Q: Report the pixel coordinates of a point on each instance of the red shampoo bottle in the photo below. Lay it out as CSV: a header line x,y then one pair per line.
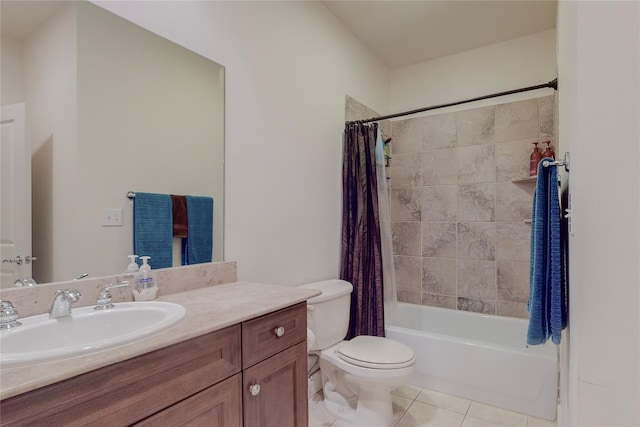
x,y
535,157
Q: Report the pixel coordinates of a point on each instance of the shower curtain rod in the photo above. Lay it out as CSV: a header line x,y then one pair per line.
x,y
552,84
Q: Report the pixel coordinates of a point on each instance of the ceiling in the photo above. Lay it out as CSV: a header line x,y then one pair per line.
x,y
398,32
402,33
20,17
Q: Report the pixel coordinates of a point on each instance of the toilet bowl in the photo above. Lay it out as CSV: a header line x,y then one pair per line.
x,y
357,375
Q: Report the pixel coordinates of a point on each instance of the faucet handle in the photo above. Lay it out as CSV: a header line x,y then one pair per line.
x,y
103,301
71,295
8,315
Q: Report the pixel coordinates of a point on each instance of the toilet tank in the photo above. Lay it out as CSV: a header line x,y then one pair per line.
x,y
328,313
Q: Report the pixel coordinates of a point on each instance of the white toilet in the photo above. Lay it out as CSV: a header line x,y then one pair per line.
x,y
357,375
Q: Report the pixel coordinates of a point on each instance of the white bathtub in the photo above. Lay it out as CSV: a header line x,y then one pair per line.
x,y
479,357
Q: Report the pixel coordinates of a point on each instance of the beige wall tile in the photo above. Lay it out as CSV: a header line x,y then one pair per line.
x,y
406,204
476,202
408,273
440,203
439,276
439,239
439,167
442,301
513,309
476,279
406,238
546,108
512,281
439,131
405,170
410,297
476,126
517,120
513,241
407,136
512,160
513,201
476,164
476,305
476,240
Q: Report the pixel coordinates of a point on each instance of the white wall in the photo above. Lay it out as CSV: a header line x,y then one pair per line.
x,y
525,61
599,45
11,90
288,68
51,100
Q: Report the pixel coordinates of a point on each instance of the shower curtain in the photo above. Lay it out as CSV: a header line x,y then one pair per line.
x,y
386,242
361,261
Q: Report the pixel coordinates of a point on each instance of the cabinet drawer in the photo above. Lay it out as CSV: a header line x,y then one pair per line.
x,y
218,406
260,338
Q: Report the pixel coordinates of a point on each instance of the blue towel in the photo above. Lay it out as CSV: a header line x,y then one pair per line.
x,y
547,286
198,246
153,228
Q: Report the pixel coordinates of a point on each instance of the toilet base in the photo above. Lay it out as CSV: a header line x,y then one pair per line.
x,y
373,408
357,395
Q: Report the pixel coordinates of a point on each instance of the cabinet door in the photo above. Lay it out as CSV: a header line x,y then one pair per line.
x,y
218,406
281,400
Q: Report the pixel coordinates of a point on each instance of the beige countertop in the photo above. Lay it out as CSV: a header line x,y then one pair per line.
x,y
208,309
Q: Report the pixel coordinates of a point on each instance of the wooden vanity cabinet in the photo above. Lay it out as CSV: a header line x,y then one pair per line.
x,y
205,381
132,390
218,405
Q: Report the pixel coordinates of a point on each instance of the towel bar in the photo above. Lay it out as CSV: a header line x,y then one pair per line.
x,y
564,162
131,194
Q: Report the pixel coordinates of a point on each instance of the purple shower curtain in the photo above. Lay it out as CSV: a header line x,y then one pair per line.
x,y
361,249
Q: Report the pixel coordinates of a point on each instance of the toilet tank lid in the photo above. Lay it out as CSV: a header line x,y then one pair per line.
x,y
333,288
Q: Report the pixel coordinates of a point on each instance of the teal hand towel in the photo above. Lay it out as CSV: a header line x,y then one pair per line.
x,y
198,246
153,228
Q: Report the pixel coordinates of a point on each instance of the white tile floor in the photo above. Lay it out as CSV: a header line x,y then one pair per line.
x,y
413,407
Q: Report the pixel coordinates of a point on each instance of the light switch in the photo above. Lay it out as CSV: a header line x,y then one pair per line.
x,y
111,217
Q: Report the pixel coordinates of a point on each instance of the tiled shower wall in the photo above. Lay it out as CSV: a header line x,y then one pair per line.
x,y
459,214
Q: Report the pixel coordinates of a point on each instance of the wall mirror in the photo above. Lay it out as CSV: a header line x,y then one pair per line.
x,y
98,107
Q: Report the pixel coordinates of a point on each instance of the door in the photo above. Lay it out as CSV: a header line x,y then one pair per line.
x,y
15,197
275,390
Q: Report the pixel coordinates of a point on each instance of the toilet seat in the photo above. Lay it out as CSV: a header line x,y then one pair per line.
x,y
376,353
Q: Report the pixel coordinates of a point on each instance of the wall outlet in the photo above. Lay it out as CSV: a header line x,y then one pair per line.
x,y
111,217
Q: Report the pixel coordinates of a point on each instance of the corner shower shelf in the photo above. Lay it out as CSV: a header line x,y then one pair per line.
x,y
525,180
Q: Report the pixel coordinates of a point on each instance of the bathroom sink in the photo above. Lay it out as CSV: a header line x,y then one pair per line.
x,y
40,339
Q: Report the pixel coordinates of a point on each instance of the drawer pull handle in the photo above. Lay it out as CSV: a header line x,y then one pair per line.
x,y
279,331
254,389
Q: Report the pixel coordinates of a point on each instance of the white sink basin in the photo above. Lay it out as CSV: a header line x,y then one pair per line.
x,y
40,339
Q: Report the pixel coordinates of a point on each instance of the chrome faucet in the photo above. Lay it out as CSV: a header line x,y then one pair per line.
x,y
61,305
8,315
103,301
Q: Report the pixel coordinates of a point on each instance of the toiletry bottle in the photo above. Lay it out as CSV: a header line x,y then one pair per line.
x,y
535,157
131,273
146,287
548,152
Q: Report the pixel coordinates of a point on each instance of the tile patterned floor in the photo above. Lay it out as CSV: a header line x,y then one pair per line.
x,y
414,407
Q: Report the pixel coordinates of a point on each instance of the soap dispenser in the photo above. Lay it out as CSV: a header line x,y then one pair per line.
x,y
548,152
534,159
131,274
146,288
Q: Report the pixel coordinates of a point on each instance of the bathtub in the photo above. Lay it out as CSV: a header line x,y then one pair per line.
x,y
479,357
